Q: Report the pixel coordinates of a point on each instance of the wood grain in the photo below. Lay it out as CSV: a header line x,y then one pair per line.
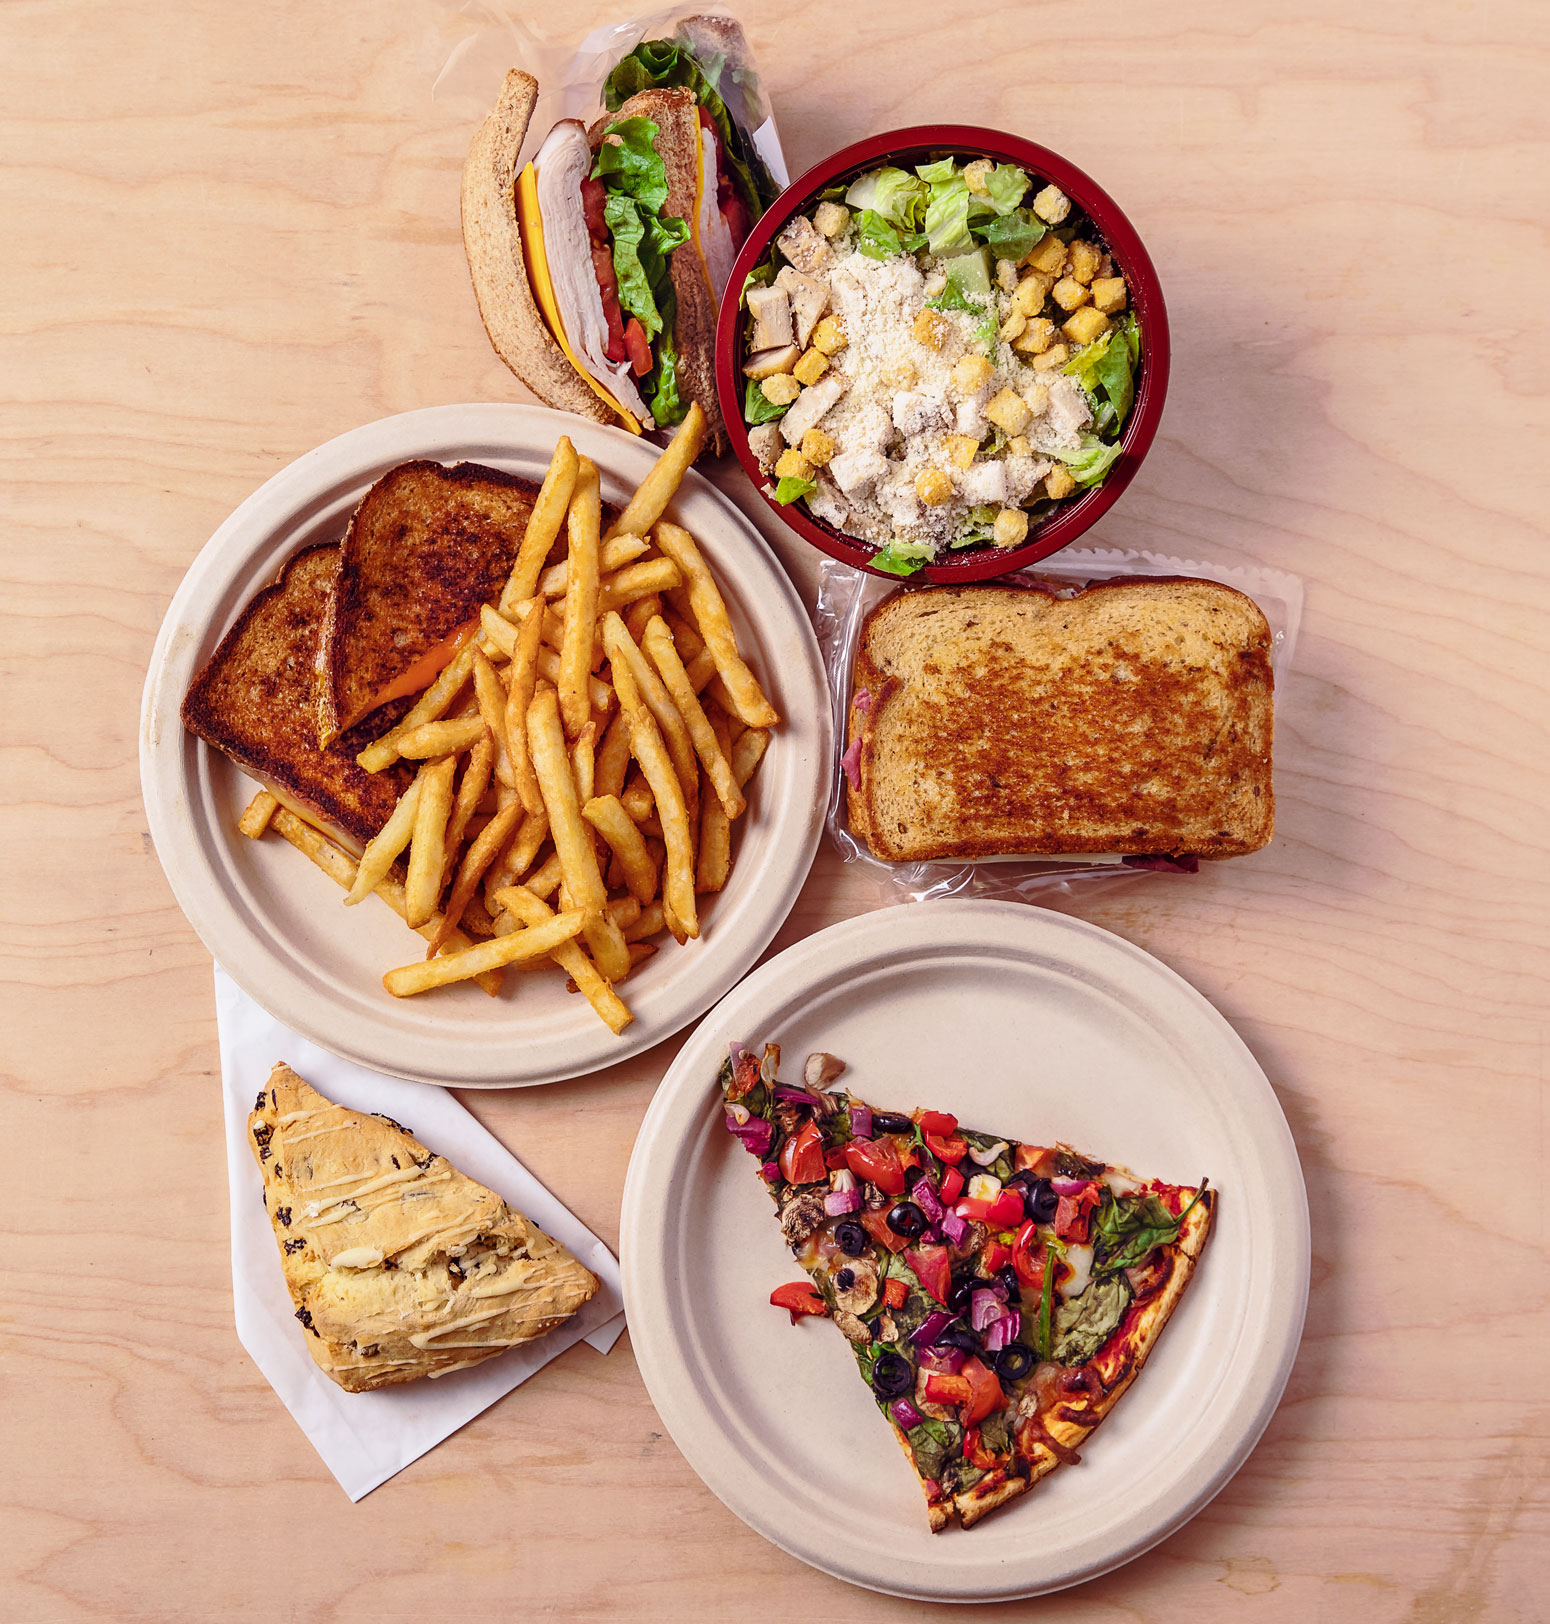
x,y
231,232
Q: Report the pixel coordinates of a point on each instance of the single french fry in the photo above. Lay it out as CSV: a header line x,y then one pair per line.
x,y
606,814
524,676
492,714
583,763
533,912
612,761
470,792
383,848
748,752
715,626
711,750
341,868
476,860
522,946
499,632
713,859
648,749
256,816
435,702
651,921
428,847
445,738
520,855
639,616
544,881
649,503
636,798
622,648
581,529
612,555
543,525
640,952
601,695
649,576
571,835
624,911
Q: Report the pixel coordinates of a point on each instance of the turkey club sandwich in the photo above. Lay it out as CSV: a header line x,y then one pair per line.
x,y
599,264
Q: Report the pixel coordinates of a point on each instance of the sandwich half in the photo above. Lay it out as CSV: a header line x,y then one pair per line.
x,y
1134,718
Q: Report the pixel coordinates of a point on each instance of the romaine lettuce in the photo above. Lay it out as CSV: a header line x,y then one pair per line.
x,y
878,240
1012,236
947,208
1105,370
632,164
757,407
1004,187
900,198
792,486
902,557
1091,462
660,387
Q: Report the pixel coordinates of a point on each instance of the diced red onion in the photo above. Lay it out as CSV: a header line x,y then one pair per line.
x,y
770,1172
985,1309
735,1052
862,700
838,1202
790,1094
944,1361
850,763
904,1413
1003,1331
755,1134
929,1202
1068,1186
932,1327
861,1121
953,1227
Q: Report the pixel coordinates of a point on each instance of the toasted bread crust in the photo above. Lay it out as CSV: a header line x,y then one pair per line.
x,y
492,241
426,547
254,702
1135,717
676,115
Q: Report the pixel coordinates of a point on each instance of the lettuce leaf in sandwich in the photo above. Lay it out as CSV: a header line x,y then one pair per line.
x,y
656,64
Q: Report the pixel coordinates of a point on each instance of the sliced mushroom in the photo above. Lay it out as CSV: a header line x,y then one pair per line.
x,y
766,363
861,1293
852,1327
821,1069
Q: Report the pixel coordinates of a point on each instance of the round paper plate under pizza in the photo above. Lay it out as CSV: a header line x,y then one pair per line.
x,y
1024,1024
279,926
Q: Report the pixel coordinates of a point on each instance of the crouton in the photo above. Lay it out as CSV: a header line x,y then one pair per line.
x,y
1055,356
1037,336
811,367
1109,294
933,487
1052,205
831,218
1086,325
971,373
1009,412
780,389
818,447
1086,259
1047,256
1058,482
1030,294
1010,528
960,449
829,335
931,329
1068,293
793,465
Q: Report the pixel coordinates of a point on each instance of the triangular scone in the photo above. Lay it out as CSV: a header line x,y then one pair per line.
x,y
399,1265
999,1296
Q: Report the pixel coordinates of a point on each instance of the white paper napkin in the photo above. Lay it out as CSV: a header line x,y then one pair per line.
x,y
364,1438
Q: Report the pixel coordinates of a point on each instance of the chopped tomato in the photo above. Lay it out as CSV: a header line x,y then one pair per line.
x,y
801,1157
1028,1158
996,1256
942,1123
1030,1256
799,1298
876,1225
944,1389
638,347
895,1293
934,1270
975,1452
985,1392
878,1162
1007,1208
947,1150
1073,1212
608,287
733,209
952,1185
594,199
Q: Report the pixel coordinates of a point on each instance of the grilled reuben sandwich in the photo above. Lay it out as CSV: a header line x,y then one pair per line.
x,y
1133,718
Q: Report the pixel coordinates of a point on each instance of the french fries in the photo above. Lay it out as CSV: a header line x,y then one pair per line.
x,y
605,723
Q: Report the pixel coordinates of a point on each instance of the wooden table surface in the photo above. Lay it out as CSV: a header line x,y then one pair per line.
x,y
228,233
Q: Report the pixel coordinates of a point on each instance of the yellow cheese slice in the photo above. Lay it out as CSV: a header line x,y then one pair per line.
x,y
530,223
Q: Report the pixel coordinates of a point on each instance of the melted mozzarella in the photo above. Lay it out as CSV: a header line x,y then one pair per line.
x,y
563,162
1079,1259
715,235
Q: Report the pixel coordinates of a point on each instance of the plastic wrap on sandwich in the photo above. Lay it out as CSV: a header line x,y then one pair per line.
x,y
845,599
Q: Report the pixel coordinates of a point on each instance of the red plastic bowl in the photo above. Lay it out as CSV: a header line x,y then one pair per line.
x,y
906,148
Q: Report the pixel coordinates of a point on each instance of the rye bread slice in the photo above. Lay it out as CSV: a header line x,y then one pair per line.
x,y
1135,717
255,702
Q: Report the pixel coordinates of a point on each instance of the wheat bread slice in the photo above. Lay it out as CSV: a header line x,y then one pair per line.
x,y
255,702
1135,717
676,115
492,240
426,547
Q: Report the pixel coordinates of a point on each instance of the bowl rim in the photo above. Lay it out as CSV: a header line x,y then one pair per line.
x,y
1066,524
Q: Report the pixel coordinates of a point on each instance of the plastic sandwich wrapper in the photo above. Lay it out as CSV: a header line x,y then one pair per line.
x,y
364,1438
490,39
846,596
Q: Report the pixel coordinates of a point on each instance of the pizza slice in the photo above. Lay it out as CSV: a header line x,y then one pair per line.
x,y
998,1297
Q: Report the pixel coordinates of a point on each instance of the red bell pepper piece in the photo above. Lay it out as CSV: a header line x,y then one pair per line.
x,y
944,1389
1007,1208
933,1268
974,1209
801,1157
895,1293
835,1159
947,1150
986,1396
975,1452
1028,1158
878,1162
996,1256
799,1298
952,1185
1030,1257
876,1225
941,1123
